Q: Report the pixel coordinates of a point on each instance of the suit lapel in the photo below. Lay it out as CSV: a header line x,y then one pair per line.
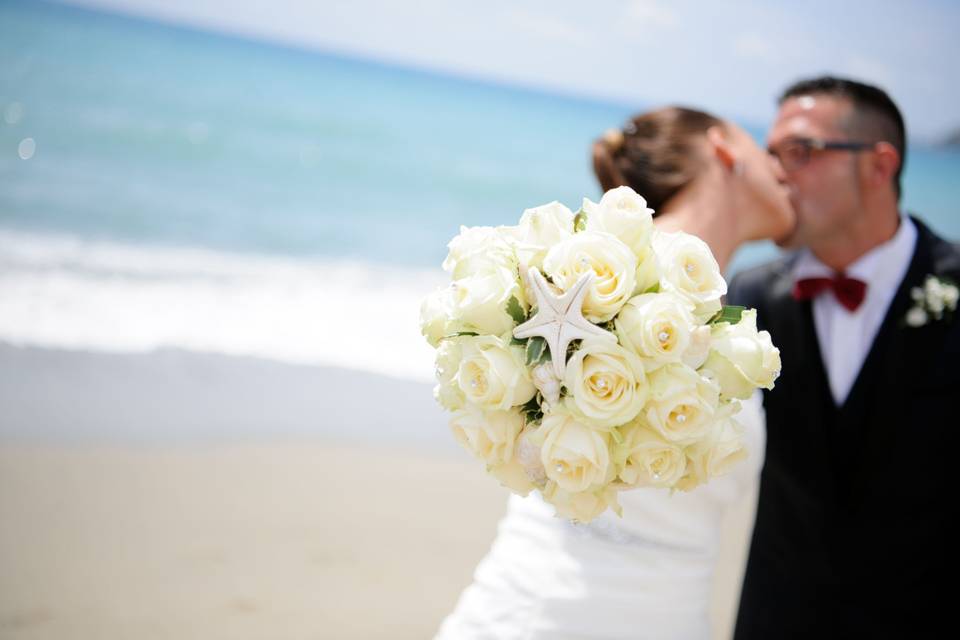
x,y
801,399
795,334
868,419
891,335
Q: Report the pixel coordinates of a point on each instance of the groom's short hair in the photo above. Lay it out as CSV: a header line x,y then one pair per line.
x,y
875,116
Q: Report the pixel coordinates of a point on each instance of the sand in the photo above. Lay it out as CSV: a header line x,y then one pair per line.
x,y
205,515
302,541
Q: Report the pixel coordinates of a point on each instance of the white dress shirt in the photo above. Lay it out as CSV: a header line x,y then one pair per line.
x,y
846,337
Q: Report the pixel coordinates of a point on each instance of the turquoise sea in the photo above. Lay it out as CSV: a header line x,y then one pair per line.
x,y
140,161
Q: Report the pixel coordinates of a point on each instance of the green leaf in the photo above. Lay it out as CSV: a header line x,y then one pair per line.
x,y
530,405
728,313
532,411
515,310
518,342
537,351
459,334
580,221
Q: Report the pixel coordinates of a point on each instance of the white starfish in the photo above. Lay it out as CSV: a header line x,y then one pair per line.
x,y
559,319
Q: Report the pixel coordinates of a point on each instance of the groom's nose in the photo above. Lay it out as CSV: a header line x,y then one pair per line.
x,y
778,170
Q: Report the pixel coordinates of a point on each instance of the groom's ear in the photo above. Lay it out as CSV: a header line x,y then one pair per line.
x,y
883,164
720,146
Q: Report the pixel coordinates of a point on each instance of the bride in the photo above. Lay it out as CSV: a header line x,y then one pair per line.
x,y
649,574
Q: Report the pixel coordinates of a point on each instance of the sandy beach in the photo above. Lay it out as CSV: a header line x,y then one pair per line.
x,y
181,495
292,541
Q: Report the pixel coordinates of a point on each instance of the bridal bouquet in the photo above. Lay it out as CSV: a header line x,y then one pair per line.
x,y
584,354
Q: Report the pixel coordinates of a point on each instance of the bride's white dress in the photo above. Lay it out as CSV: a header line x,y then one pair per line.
x,y
647,575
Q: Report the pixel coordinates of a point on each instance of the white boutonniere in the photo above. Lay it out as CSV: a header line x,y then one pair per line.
x,y
935,300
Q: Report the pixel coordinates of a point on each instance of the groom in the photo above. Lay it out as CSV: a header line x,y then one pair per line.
x,y
858,485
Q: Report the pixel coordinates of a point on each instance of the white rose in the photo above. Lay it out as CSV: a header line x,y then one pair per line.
x,y
696,354
478,250
656,326
540,228
682,403
581,506
479,302
435,312
489,435
624,214
606,384
648,270
447,392
741,358
613,263
513,476
492,373
647,459
716,454
689,268
574,456
692,478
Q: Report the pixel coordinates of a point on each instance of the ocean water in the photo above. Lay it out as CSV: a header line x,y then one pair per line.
x,y
161,186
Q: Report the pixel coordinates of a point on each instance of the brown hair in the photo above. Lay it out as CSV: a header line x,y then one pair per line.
x,y
654,154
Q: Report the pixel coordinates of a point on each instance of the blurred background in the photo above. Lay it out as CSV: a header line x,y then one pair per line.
x,y
217,220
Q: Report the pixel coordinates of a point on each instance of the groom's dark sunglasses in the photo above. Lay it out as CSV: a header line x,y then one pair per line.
x,y
795,153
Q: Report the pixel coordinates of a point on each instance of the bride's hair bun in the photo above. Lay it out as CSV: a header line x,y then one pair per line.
x,y
655,153
613,138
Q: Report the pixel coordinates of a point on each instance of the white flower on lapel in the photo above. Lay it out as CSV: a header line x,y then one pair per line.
x,y
936,299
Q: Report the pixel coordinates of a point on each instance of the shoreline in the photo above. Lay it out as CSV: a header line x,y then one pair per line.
x,y
177,396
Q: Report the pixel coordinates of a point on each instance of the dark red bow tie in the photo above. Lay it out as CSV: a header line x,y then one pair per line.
x,y
849,291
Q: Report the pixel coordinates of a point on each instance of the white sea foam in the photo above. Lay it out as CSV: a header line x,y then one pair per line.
x,y
59,291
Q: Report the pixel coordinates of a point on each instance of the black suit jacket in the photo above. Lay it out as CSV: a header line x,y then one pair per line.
x,y
851,536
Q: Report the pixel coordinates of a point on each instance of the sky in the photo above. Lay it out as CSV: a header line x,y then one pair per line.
x,y
732,57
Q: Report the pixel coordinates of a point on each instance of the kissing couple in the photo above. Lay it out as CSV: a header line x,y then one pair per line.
x,y
850,451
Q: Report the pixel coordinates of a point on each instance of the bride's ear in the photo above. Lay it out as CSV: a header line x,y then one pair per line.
x,y
720,147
